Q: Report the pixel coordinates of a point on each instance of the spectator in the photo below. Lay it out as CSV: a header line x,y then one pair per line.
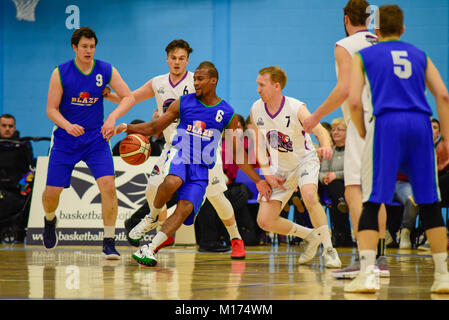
x,y
332,177
16,161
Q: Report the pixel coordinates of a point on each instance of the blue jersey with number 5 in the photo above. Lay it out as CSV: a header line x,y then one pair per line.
x,y
82,99
396,75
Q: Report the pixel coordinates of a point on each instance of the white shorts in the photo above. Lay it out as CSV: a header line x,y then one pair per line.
x,y
307,172
217,182
353,156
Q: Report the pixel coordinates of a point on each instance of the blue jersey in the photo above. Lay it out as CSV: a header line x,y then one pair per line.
x,y
82,100
396,74
199,131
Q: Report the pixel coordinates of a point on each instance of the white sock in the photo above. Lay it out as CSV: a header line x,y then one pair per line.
x,y
109,232
154,212
367,258
439,260
299,231
50,215
233,231
158,239
325,236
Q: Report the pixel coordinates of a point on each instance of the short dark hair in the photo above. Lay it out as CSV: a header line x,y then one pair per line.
x,y
83,32
436,121
211,70
391,20
181,44
8,116
356,11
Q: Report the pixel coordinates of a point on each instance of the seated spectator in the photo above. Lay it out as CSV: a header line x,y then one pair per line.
x,y
16,161
442,163
332,177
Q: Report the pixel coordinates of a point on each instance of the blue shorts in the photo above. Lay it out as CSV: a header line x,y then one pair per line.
x,y
401,142
68,150
195,178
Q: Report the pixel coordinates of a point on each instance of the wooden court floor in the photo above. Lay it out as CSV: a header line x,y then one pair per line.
x,y
269,272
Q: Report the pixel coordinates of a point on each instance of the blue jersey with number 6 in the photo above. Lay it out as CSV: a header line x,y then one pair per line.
x,y
199,130
399,85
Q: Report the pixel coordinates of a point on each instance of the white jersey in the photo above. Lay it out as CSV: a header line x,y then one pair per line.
x,y
353,44
166,92
287,142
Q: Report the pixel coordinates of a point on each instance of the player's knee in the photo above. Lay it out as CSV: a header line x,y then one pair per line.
x,y
369,220
264,222
171,184
309,198
51,194
431,215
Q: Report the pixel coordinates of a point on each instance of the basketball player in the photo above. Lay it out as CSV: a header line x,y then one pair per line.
x,y
75,105
398,73
358,37
167,88
203,116
278,122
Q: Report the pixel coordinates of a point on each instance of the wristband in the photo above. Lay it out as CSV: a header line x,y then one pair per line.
x,y
126,127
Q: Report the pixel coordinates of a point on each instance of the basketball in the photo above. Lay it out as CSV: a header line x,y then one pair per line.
x,y
135,149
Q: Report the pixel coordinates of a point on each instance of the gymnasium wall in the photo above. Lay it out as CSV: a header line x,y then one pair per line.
x,y
239,36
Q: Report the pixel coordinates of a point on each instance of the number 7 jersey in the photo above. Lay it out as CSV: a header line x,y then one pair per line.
x,y
166,92
286,140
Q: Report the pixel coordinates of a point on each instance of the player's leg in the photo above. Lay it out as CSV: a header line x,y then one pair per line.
x,y
215,194
50,201
307,175
191,194
380,163
60,166
147,255
423,178
269,219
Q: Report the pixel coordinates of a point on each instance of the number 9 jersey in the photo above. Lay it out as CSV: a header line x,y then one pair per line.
x,y
82,99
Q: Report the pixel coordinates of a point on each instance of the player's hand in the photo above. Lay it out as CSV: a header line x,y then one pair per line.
x,y
329,177
444,154
107,130
120,128
106,91
275,181
264,189
310,123
75,130
325,152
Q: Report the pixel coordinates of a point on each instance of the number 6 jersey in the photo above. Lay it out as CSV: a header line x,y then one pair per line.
x,y
166,92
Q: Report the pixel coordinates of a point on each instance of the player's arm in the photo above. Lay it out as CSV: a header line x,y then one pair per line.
x,y
320,132
262,186
338,95
262,158
55,92
145,92
355,95
127,100
154,127
436,86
